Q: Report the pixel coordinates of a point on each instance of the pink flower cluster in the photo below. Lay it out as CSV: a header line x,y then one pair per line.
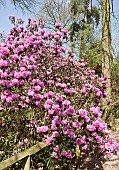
x,y
38,74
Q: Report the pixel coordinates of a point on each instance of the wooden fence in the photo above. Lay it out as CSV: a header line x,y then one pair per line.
x,y
25,155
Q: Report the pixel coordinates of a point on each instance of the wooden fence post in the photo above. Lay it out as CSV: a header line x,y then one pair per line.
x,y
27,163
23,155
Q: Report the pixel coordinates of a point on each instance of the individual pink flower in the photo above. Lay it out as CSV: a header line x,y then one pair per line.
x,y
96,111
98,94
67,154
38,103
51,111
20,144
85,147
49,141
70,111
56,148
91,128
42,129
49,101
37,88
30,92
54,155
55,134
58,25
9,99
83,91
68,91
76,124
54,127
83,112
26,140
80,141
3,97
87,119
66,102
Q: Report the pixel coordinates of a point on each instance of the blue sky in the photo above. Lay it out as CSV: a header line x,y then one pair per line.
x,y
5,12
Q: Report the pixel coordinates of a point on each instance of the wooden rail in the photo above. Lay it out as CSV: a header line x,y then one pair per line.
x,y
23,155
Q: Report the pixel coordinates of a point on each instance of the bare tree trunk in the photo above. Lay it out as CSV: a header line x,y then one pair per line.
x,y
106,50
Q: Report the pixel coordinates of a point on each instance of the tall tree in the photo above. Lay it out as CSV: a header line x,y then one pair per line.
x,y
78,16
106,49
82,27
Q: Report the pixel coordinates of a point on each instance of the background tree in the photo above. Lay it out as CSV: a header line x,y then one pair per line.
x,y
54,11
82,29
23,4
79,17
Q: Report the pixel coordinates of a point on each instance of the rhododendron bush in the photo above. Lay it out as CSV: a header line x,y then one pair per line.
x,y
46,95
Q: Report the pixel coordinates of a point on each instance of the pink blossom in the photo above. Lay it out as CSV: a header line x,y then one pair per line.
x,y
20,144
54,127
55,134
68,91
49,101
83,91
67,154
57,24
9,99
82,64
3,97
81,141
70,111
87,119
50,111
49,141
85,147
54,155
15,82
96,111
83,112
66,102
71,134
37,88
26,140
110,100
76,124
64,31
42,129
56,148
30,92
38,96
50,81
48,95
91,127
37,103
98,93
64,122
59,98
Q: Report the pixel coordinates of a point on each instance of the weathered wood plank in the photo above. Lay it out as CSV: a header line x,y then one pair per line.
x,y
27,163
10,161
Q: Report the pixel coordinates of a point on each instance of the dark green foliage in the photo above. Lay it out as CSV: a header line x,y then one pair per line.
x,y
115,88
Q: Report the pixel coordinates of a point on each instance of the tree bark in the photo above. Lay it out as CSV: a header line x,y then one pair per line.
x,y
106,50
